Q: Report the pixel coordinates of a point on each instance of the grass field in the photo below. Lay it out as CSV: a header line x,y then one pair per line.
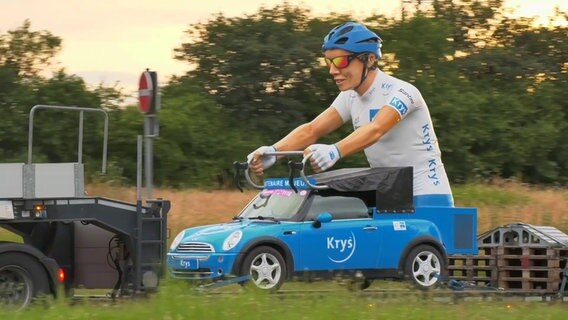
x,y
178,301
498,203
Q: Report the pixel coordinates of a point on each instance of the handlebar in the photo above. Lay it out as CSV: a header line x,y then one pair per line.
x,y
292,165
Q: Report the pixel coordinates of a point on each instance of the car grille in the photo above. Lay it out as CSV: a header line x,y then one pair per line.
x,y
199,247
202,273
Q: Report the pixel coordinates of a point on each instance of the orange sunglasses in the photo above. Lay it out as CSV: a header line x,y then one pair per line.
x,y
340,62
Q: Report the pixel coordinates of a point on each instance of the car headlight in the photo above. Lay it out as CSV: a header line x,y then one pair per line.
x,y
232,240
177,240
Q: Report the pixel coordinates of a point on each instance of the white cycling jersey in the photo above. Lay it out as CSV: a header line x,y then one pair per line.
x,y
411,142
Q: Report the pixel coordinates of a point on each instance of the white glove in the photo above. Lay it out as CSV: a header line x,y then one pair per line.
x,y
324,155
267,161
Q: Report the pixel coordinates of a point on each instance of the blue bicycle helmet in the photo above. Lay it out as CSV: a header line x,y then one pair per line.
x,y
353,37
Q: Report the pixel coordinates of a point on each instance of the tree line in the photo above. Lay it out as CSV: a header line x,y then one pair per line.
x,y
495,86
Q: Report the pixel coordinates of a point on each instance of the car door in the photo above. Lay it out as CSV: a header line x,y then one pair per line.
x,y
349,241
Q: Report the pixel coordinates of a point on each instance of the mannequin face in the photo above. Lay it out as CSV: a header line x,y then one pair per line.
x,y
345,68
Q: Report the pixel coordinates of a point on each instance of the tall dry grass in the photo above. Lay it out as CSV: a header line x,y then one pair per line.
x,y
189,207
543,206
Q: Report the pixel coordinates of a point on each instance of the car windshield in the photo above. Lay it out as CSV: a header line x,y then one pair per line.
x,y
274,204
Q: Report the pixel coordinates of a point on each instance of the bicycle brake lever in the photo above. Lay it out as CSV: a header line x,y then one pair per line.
x,y
292,166
237,178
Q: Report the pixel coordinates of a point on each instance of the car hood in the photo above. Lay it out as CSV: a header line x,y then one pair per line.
x,y
217,233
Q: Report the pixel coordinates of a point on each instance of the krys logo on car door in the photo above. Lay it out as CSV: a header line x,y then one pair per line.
x,y
341,248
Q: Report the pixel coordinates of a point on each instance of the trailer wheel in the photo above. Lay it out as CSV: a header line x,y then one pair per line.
x,y
425,266
266,267
22,278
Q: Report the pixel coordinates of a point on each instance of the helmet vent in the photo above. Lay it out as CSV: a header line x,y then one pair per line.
x,y
370,40
341,40
345,30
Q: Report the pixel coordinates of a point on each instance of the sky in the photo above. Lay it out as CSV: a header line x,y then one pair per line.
x,y
112,42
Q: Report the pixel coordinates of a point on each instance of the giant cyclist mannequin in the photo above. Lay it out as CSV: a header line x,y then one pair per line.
x,y
391,121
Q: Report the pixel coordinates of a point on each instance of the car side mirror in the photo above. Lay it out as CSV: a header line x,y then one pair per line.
x,y
323,217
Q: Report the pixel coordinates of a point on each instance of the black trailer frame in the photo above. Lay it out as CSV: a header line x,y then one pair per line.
x,y
51,227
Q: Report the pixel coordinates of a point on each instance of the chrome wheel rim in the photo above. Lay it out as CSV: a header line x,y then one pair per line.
x,y
426,268
265,271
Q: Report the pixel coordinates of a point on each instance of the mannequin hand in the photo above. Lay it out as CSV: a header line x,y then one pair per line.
x,y
258,162
324,156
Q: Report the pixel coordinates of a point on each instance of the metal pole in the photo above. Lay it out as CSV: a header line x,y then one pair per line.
x,y
139,168
105,144
80,146
138,240
148,167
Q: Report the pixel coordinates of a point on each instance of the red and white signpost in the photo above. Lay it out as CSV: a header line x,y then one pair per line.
x,y
145,92
149,105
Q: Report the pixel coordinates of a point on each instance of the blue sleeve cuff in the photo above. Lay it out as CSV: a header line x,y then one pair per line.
x,y
338,152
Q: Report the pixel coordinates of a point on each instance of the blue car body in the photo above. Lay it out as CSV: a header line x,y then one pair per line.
x,y
360,236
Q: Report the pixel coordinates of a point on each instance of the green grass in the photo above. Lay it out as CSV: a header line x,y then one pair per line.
x,y
6,235
475,195
179,301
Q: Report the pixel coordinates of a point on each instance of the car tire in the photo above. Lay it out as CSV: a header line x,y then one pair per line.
x,y
24,277
266,267
425,267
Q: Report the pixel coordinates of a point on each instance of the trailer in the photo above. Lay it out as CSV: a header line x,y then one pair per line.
x,y
70,240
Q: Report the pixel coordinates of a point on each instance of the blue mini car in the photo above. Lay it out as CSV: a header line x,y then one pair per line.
x,y
358,223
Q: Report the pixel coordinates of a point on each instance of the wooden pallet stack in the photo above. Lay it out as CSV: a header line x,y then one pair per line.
x,y
529,268
480,269
534,269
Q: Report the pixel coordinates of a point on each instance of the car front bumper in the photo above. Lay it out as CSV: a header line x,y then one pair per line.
x,y
212,266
